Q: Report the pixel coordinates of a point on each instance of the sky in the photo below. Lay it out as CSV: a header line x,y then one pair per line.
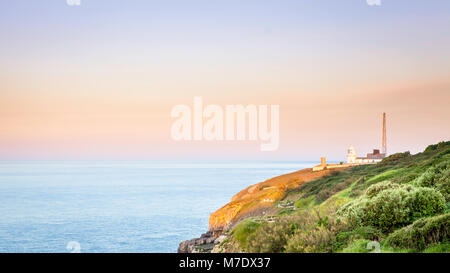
x,y
99,80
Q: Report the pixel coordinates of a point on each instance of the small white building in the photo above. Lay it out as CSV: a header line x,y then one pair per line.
x,y
371,158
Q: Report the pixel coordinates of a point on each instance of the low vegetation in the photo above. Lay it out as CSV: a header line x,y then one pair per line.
x,y
307,231
390,208
422,233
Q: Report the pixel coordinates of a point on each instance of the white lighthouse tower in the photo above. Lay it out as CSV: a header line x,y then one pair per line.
x,y
351,154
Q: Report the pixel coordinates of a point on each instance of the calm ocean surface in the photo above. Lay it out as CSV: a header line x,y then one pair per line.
x,y
117,206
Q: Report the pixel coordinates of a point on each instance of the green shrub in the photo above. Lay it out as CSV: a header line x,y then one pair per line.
x,y
317,240
437,177
271,237
437,146
315,236
305,232
444,154
343,239
422,233
392,207
394,158
376,188
427,202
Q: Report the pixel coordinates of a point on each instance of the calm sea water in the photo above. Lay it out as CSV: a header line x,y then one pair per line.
x,y
117,206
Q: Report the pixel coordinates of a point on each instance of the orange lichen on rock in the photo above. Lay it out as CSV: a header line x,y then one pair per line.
x,y
260,196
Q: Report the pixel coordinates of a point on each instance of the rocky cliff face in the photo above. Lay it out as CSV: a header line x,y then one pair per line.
x,y
206,243
253,201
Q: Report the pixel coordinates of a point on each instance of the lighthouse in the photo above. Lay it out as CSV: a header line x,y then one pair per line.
x,y
351,154
352,159
373,157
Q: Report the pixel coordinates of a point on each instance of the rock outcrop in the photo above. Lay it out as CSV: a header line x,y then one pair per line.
x,y
204,244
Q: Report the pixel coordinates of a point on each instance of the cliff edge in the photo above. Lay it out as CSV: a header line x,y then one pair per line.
x,y
252,201
256,198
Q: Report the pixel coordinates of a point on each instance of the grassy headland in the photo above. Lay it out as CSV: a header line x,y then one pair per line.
x,y
401,204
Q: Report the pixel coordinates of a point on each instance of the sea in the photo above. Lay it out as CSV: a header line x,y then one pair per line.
x,y
118,206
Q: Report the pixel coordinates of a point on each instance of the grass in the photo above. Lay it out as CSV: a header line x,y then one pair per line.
x,y
357,246
243,229
306,203
367,246
286,212
387,249
383,176
438,248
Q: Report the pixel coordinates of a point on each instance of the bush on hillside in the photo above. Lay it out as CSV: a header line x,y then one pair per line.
x,y
318,235
317,240
271,237
394,158
345,238
376,188
422,233
306,232
437,177
437,146
389,208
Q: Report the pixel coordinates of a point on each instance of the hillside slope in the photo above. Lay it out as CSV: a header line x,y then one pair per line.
x,y
256,198
398,205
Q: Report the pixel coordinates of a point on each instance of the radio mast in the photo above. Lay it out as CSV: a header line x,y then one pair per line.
x,y
384,134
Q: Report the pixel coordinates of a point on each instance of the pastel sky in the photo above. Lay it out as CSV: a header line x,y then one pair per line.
x,y
98,81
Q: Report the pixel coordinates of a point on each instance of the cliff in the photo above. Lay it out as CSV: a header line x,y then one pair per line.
x,y
256,198
252,201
